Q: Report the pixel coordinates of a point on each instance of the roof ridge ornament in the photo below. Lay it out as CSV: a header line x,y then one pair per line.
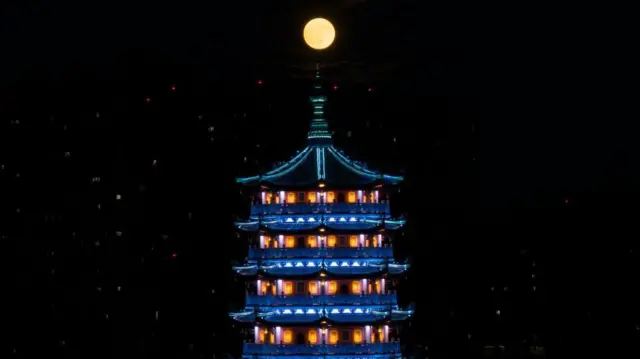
x,y
319,134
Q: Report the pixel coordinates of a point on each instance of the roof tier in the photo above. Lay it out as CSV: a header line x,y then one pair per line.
x,y
320,161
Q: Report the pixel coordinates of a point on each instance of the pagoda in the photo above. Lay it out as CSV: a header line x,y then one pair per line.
x,y
320,269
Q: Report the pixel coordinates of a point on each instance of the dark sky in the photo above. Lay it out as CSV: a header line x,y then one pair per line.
x,y
502,113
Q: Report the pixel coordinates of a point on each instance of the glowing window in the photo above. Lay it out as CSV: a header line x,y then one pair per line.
x,y
291,197
312,337
333,336
289,241
268,197
331,197
357,336
287,336
378,286
313,287
355,287
372,198
288,288
353,241
312,241
331,241
333,287
312,197
263,332
351,197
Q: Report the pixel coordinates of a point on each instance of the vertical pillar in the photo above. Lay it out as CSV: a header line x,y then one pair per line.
x,y
281,241
367,333
261,241
365,286
360,196
376,195
278,335
383,286
279,287
259,283
263,197
256,331
379,240
362,240
386,333
282,197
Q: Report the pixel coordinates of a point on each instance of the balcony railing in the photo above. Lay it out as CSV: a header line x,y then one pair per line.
x,y
321,252
309,208
325,299
320,349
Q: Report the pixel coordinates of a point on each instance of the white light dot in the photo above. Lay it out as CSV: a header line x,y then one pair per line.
x,y
118,197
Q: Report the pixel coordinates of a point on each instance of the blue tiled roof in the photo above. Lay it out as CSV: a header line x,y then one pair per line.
x,y
320,163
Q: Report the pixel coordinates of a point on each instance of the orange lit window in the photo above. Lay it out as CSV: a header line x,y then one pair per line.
x,y
291,197
333,287
357,336
312,197
353,241
263,290
289,241
331,241
372,197
263,332
287,336
331,197
351,197
373,337
378,286
288,288
333,336
268,197
313,336
313,287
355,287
312,241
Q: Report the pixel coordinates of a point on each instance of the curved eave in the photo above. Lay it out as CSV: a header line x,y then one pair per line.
x,y
317,272
316,319
321,163
366,225
359,170
278,172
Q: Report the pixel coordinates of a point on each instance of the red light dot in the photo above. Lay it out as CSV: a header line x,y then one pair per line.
x,y
174,255
566,201
335,87
370,89
259,82
173,87
148,99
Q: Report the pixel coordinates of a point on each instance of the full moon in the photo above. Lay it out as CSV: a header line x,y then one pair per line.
x,y
319,33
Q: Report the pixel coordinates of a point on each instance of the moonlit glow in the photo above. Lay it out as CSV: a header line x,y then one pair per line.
x,y
319,33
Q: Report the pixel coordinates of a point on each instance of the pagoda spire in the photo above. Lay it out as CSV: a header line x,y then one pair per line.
x,y
319,134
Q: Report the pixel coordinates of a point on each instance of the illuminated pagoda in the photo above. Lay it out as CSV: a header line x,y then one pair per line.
x,y
320,269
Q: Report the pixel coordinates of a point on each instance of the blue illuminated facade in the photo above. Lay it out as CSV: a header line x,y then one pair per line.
x,y
320,270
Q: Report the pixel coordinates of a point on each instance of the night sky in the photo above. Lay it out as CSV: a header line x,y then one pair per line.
x,y
122,127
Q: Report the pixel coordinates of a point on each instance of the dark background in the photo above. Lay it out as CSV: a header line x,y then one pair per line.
x,y
519,161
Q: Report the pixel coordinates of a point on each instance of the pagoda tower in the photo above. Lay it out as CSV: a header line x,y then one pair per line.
x,y
320,269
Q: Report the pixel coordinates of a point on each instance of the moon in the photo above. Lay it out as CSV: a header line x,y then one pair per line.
x,y
319,33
